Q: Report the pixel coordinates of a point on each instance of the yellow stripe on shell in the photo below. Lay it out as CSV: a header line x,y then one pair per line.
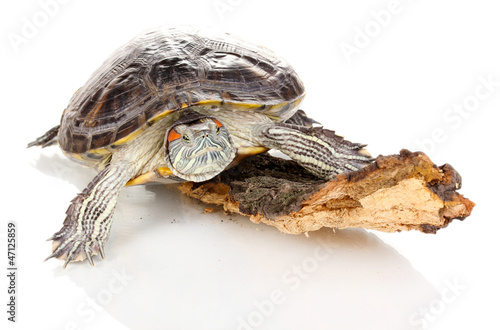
x,y
99,151
128,138
78,157
159,116
208,102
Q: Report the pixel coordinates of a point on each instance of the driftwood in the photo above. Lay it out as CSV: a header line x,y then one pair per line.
x,y
394,193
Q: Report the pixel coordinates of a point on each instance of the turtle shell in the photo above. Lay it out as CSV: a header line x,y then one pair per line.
x,y
169,69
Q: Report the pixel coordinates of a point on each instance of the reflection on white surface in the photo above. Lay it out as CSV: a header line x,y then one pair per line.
x,y
171,265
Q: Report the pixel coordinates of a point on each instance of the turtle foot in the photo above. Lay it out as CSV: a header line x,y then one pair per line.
x,y
72,248
89,217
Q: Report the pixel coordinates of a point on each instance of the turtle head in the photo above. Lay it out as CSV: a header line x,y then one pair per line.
x,y
198,150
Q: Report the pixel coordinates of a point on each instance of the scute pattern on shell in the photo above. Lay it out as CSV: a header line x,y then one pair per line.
x,y
170,69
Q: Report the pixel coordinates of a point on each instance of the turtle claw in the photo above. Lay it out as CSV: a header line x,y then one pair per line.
x,y
54,237
53,255
68,259
101,251
89,257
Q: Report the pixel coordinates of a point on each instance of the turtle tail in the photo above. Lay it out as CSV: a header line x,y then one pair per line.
x,y
47,139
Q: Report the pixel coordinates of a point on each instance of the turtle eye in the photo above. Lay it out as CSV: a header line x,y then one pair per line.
x,y
186,138
217,130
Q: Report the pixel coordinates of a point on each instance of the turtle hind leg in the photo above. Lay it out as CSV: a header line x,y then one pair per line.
x,y
318,150
300,118
47,139
89,217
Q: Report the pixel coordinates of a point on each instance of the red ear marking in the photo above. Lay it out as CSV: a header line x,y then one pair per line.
x,y
173,135
218,123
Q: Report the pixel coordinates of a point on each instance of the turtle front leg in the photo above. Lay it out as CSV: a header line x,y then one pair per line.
x,y
89,217
318,150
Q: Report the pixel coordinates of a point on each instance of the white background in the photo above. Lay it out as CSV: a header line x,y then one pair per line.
x,y
170,266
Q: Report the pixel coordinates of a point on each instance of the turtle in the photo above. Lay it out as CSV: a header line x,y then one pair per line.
x,y
182,104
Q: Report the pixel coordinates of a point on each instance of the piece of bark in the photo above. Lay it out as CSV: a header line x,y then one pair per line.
x,y
394,193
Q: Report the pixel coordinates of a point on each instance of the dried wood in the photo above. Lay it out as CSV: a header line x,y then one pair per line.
x,y
394,193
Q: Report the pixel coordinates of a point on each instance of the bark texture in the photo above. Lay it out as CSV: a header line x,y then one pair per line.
x,y
394,193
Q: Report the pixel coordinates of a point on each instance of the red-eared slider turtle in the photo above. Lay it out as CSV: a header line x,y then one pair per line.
x,y
182,104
